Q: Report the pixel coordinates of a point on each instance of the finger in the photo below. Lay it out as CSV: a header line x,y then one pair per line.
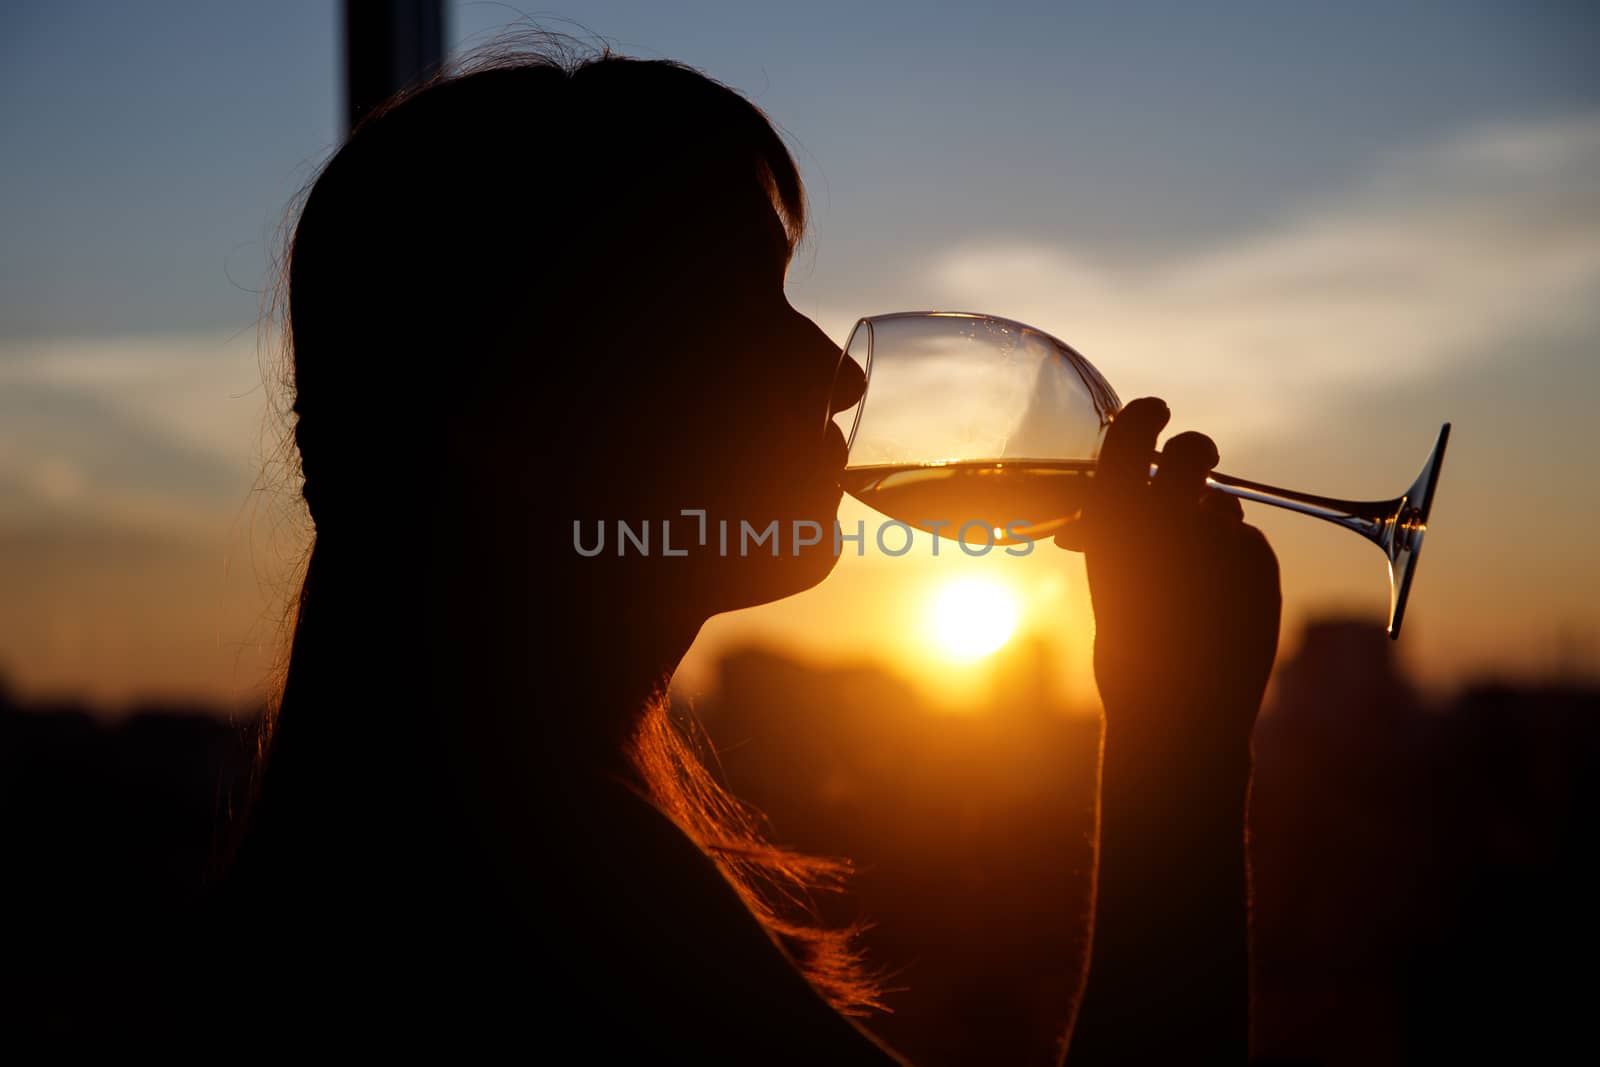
x,y
1244,561
1184,464
1224,507
1263,586
1076,536
1130,440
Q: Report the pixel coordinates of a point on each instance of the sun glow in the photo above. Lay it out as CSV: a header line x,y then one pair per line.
x,y
973,617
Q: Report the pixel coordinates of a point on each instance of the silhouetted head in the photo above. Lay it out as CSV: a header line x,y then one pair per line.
x,y
535,294
546,292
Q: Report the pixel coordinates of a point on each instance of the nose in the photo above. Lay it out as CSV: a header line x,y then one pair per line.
x,y
849,380
845,379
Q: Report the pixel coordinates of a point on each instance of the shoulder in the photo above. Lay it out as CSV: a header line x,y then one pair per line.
x,y
670,953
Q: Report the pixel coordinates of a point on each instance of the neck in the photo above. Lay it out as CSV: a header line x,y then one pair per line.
x,y
473,700
542,685
542,672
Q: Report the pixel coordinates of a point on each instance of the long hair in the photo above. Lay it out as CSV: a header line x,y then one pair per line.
x,y
775,883
339,396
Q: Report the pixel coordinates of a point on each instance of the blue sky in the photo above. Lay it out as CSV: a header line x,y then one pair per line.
x,y
151,148
1319,230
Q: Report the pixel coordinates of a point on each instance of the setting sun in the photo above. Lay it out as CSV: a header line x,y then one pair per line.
x,y
973,617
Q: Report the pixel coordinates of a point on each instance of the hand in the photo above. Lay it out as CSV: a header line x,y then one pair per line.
x,y
1186,597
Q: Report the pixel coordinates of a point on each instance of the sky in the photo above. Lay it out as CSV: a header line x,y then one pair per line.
x,y
1319,231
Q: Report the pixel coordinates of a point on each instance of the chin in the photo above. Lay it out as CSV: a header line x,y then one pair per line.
x,y
761,578
752,581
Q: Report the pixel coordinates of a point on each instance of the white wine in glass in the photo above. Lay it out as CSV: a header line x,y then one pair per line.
x,y
982,429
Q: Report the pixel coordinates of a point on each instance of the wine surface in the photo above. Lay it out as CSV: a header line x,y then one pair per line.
x,y
1016,500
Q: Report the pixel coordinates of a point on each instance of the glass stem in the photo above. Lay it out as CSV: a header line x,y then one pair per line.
x,y
1396,526
1375,520
1372,519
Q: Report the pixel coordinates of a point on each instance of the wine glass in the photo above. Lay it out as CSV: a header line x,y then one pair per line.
x,y
977,428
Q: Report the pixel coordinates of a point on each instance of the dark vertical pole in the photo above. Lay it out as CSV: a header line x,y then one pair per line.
x,y
388,45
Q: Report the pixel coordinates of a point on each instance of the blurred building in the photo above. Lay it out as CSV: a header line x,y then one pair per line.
x,y
1421,875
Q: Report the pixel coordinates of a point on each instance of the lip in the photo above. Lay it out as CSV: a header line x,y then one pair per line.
x,y
835,451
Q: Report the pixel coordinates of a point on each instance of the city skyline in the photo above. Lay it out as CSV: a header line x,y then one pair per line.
x,y
1318,236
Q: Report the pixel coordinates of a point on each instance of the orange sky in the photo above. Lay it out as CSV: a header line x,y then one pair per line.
x,y
120,597
1455,281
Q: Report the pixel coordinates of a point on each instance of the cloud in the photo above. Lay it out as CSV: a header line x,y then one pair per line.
x,y
161,433
1475,246
204,390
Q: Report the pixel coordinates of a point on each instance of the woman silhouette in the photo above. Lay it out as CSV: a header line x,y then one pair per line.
x,y
545,292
